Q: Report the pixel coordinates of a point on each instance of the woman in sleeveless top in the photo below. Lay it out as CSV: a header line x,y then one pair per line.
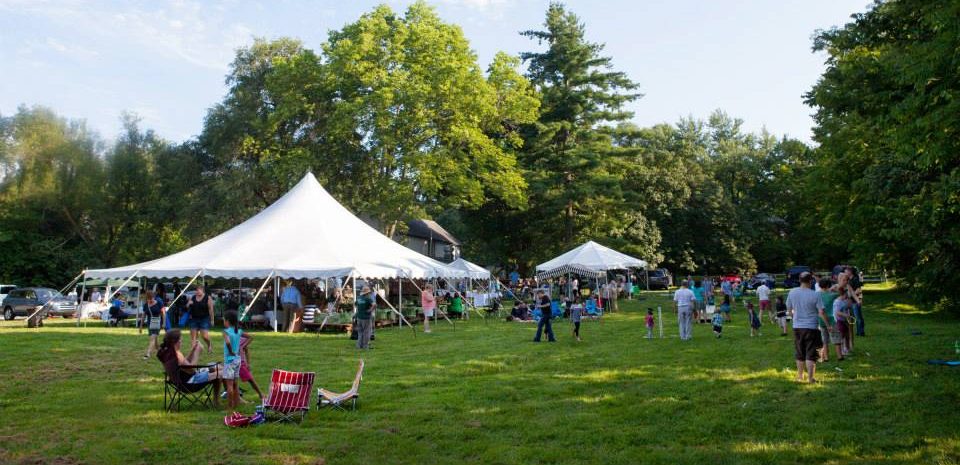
x,y
200,307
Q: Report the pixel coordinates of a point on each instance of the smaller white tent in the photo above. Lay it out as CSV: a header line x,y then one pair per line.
x,y
591,256
473,270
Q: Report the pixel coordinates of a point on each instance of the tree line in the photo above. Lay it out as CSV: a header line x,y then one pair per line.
x,y
521,160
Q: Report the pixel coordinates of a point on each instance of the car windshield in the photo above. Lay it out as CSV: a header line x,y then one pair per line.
x,y
657,273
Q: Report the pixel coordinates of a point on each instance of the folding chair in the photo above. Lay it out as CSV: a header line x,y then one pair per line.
x,y
289,395
327,398
176,391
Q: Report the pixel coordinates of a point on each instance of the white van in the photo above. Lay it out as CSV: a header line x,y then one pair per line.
x,y
4,290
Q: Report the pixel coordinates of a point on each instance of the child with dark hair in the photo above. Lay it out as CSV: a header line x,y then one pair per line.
x,y
576,313
754,319
649,322
718,324
231,357
782,315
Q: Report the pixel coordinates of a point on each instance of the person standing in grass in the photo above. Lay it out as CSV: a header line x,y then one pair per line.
x,y
806,306
828,295
366,305
543,303
576,313
428,301
782,315
245,374
699,304
684,300
763,295
725,308
841,335
153,316
231,358
718,324
649,322
754,319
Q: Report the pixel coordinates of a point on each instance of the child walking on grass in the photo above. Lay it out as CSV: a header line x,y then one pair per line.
x,y
576,312
649,322
231,357
754,319
718,324
245,373
782,315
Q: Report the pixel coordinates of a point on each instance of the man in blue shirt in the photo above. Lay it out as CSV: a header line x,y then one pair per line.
x,y
806,306
292,307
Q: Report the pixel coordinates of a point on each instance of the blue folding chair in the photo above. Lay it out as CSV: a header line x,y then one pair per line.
x,y
555,308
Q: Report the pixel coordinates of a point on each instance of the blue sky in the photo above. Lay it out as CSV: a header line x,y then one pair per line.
x,y
166,61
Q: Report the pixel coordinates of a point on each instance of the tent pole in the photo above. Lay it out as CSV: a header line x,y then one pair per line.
x,y
184,289
276,297
72,281
400,299
255,296
437,310
400,315
83,290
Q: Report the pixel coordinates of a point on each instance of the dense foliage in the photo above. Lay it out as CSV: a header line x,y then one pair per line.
x,y
522,159
888,124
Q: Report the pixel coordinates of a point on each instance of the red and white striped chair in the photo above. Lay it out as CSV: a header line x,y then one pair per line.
x,y
289,395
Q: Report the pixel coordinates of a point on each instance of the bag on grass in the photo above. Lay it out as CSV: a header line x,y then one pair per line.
x,y
237,420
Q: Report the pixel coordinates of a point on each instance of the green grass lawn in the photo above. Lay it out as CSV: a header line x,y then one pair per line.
x,y
483,393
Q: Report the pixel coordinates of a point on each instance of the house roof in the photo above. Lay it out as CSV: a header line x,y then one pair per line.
x,y
429,229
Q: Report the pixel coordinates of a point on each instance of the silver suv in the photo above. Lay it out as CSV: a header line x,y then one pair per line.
x,y
24,301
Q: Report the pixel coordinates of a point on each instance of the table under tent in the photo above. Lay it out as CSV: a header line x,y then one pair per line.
x,y
591,261
306,236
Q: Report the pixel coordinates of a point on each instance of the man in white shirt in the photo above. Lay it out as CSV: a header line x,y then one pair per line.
x,y
763,295
684,299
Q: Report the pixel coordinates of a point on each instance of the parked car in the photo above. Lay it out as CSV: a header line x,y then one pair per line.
x,y
660,278
733,279
793,276
23,301
764,278
4,290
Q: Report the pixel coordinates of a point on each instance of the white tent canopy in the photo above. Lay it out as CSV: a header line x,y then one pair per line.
x,y
304,234
475,271
594,257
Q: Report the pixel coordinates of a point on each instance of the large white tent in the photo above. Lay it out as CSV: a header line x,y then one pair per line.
x,y
590,256
304,234
474,271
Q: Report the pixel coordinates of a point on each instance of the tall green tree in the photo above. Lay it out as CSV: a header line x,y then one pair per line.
x,y
887,120
574,178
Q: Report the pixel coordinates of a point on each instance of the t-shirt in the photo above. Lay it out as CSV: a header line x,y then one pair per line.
x,y
718,319
684,298
839,306
725,287
427,300
576,310
804,302
763,292
649,321
544,306
828,298
698,292
364,303
152,311
233,338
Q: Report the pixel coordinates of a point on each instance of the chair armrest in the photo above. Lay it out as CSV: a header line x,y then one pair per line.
x,y
195,367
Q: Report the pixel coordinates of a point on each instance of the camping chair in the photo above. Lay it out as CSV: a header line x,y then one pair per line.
x,y
176,390
289,395
591,307
332,399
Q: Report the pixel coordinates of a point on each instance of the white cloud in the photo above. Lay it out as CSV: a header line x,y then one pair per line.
x,y
196,32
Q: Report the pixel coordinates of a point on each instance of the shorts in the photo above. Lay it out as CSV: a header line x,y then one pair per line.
x,y
764,305
806,344
782,321
202,375
835,336
231,370
824,336
245,374
199,323
843,328
428,312
153,332
717,329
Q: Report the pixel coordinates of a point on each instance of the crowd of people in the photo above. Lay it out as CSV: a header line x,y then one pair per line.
x,y
823,312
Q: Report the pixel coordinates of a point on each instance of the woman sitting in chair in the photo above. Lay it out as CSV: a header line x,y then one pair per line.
x,y
184,371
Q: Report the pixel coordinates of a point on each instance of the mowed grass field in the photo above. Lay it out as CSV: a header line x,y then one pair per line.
x,y
483,393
